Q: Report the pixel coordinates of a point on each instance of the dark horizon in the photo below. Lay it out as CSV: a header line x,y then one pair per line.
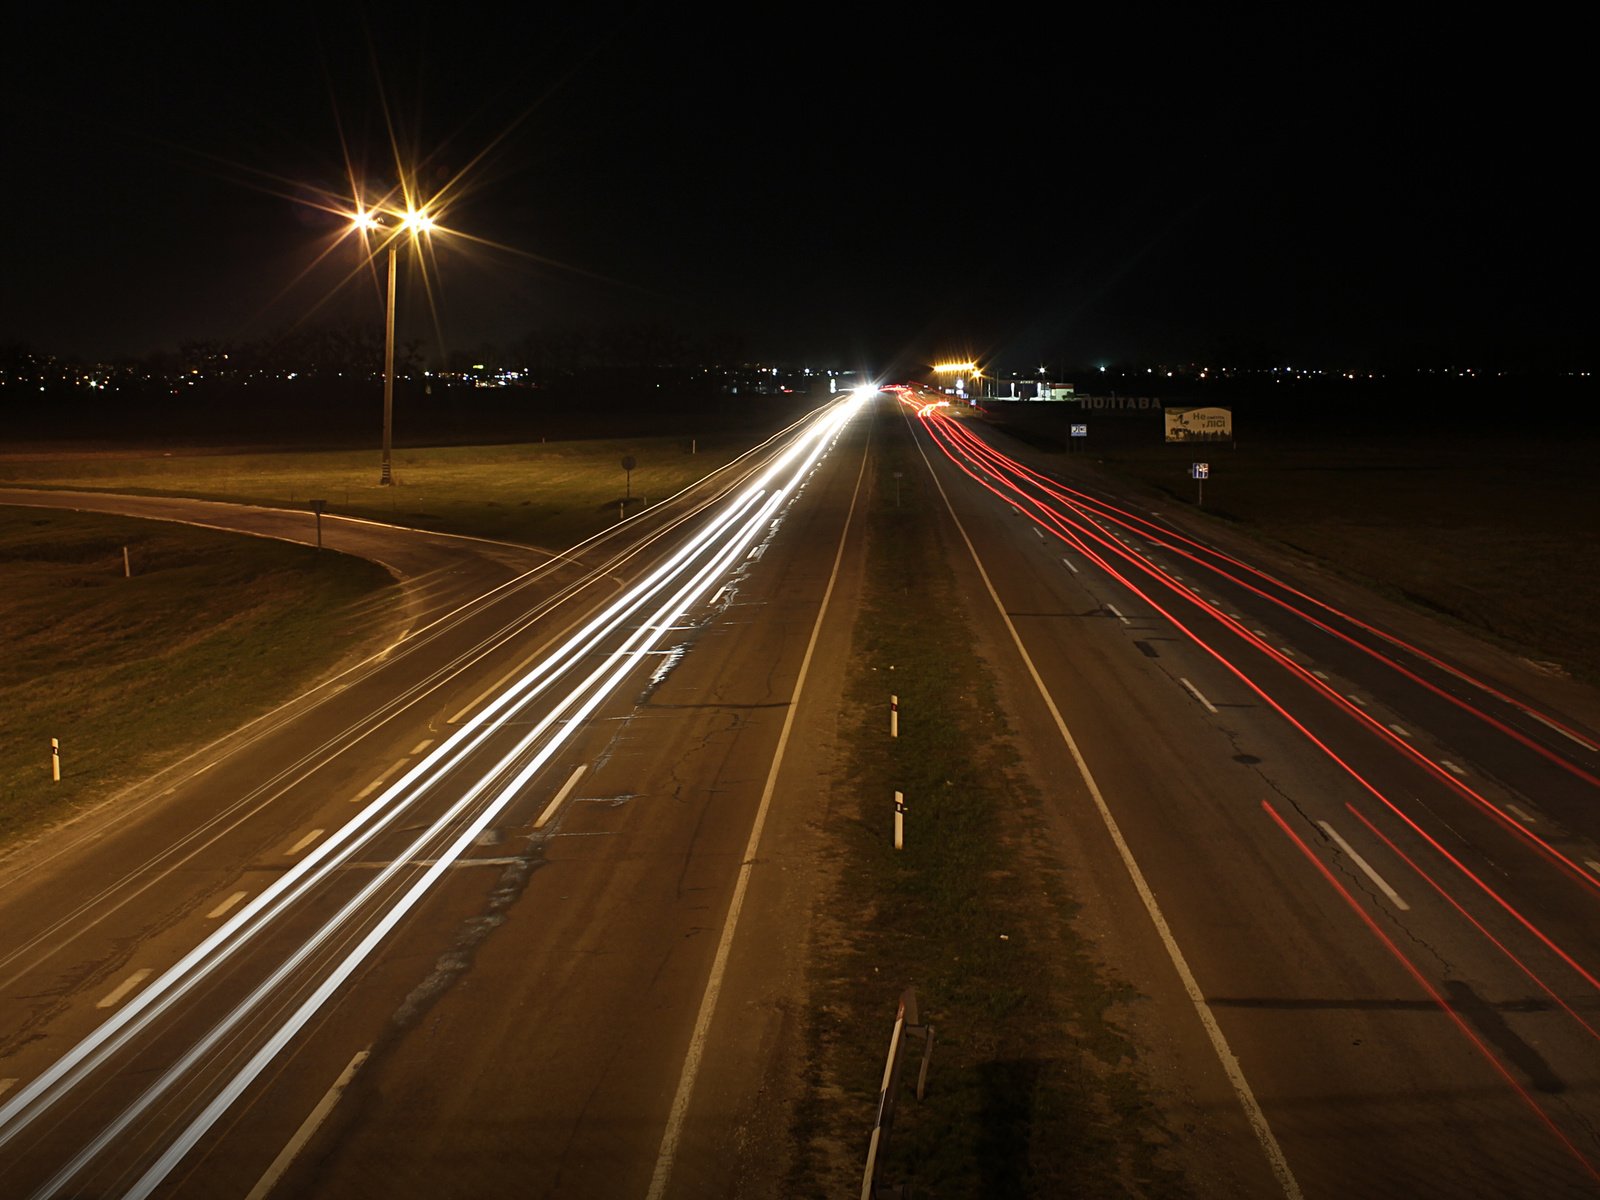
x,y
1095,190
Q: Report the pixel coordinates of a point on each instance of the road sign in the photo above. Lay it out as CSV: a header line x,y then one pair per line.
x,y
1080,431
1199,470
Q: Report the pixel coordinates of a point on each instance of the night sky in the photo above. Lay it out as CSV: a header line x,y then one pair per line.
x,y
822,182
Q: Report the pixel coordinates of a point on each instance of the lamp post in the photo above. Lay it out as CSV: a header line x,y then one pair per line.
x,y
413,222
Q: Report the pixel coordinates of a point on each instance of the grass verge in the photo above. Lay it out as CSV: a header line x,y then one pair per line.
x,y
210,630
1493,533
540,493
1034,1091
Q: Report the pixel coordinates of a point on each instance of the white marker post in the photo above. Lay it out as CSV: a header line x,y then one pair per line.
x,y
894,716
899,821
55,759
127,568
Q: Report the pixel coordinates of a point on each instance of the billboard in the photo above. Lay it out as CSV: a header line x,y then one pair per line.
x,y
1207,424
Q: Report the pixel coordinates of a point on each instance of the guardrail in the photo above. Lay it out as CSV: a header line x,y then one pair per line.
x,y
905,1026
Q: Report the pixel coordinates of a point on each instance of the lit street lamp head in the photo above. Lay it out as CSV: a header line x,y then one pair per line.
x,y
416,222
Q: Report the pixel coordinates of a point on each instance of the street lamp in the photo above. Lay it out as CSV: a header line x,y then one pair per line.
x,y
417,223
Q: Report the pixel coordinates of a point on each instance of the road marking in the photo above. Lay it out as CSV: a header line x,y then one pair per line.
x,y
1452,768
420,747
6,1085
1195,692
1112,609
1520,815
376,783
1285,651
1366,867
1040,532
222,908
1355,699
309,1126
303,843
1322,675
566,790
1067,562
668,1153
1191,986
1400,730
121,992
1568,734
712,603
1592,865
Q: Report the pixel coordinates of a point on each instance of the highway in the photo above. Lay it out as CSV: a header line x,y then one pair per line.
x,y
191,985
522,904
1358,875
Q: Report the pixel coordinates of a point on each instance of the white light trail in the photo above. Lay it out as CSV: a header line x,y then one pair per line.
x,y
742,520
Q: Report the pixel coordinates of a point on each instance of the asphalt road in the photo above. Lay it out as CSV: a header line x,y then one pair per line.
x,y
1377,862
521,907
397,943
437,571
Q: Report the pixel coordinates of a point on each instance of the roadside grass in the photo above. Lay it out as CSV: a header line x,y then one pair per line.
x,y
550,494
1033,1091
211,629
1496,534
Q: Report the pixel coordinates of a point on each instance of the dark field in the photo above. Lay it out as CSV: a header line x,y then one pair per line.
x,y
1496,533
210,630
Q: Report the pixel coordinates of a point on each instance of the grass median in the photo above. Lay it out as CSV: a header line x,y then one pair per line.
x,y
128,673
1034,1090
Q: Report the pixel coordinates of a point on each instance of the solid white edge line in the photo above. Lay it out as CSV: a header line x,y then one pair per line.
x,y
1208,1020
1366,868
1195,692
309,1126
566,790
668,1153
120,993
